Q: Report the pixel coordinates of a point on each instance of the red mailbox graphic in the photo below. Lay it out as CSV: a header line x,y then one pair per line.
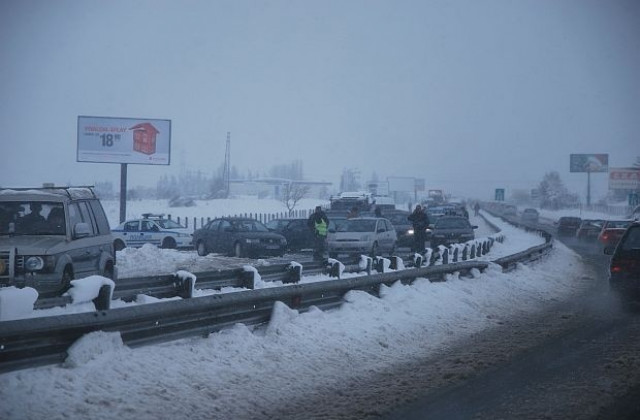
x,y
144,138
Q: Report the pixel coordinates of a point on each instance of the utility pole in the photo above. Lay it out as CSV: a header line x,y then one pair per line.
x,y
227,166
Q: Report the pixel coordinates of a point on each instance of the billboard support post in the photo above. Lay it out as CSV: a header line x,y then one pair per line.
x,y
123,192
588,189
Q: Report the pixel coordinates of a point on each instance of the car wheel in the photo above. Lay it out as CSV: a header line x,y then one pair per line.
x,y
374,250
169,243
67,276
237,250
201,248
118,245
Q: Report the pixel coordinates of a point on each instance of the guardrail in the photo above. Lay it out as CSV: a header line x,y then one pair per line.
x,y
33,342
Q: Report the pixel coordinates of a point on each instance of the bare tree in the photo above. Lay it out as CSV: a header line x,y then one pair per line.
x,y
292,193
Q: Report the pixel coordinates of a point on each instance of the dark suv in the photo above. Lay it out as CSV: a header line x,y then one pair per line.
x,y
624,270
50,236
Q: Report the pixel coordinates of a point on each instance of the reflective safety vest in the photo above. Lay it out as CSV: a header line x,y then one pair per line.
x,y
321,228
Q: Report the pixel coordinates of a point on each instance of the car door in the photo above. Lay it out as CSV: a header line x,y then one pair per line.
x,y
150,233
224,237
84,251
209,235
131,234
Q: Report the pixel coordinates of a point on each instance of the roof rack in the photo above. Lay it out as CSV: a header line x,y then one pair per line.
x,y
54,189
150,215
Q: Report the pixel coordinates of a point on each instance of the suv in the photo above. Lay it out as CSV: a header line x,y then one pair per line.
x,y
450,230
624,270
50,236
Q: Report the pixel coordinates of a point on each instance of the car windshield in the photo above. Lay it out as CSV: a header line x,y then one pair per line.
x,y
356,225
617,224
398,219
32,218
169,224
249,226
452,224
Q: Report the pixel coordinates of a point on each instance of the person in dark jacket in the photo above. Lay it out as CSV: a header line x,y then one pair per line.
x,y
318,222
420,222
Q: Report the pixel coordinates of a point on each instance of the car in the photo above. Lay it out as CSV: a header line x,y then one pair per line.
x,y
238,237
568,225
371,236
451,229
530,215
402,225
589,229
151,229
612,231
624,268
296,231
50,236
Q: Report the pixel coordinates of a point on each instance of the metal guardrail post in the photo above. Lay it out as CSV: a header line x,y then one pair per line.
x,y
102,302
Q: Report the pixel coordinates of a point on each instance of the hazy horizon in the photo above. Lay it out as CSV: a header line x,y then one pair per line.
x,y
468,95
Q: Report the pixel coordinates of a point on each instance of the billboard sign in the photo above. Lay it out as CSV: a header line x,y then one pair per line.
x,y
589,162
624,179
401,183
124,140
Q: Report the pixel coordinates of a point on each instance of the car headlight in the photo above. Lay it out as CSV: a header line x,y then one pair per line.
x,y
252,241
410,232
34,263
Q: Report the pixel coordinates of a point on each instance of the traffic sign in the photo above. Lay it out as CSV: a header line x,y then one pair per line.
x,y
499,194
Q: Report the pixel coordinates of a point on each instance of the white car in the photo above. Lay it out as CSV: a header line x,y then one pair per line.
x,y
151,229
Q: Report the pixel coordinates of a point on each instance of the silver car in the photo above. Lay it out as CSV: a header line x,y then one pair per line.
x,y
371,236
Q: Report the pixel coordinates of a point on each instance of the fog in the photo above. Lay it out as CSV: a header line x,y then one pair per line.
x,y
469,95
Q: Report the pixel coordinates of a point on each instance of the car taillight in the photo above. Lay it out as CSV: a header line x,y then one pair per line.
x,y
619,266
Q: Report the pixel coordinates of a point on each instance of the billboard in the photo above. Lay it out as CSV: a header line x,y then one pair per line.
x,y
624,179
124,140
589,163
401,183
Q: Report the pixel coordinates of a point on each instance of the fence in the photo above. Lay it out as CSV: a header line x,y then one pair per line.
x,y
198,222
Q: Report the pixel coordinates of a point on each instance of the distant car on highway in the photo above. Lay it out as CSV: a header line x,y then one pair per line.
x,y
238,237
371,236
589,229
530,216
568,225
402,225
624,269
151,229
612,231
451,229
296,231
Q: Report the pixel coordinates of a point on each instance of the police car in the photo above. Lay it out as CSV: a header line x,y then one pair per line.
x,y
151,229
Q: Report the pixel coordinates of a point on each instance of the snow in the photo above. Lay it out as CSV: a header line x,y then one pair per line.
x,y
246,372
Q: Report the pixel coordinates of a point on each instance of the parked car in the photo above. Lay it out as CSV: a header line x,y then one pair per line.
x,y
238,237
589,229
624,269
402,225
361,235
50,236
568,225
451,229
296,231
151,229
612,231
530,216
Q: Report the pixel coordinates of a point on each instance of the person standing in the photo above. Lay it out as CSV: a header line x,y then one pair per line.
x,y
476,209
420,222
318,222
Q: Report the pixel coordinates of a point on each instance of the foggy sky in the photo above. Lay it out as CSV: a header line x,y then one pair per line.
x,y
470,95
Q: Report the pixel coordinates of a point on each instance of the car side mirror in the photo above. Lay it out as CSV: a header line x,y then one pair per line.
x,y
608,250
474,227
81,230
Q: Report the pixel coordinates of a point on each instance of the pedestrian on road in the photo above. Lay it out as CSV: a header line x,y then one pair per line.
x,y
318,222
476,209
420,222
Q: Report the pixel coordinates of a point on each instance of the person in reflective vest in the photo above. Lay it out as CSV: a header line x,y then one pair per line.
x,y
319,223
